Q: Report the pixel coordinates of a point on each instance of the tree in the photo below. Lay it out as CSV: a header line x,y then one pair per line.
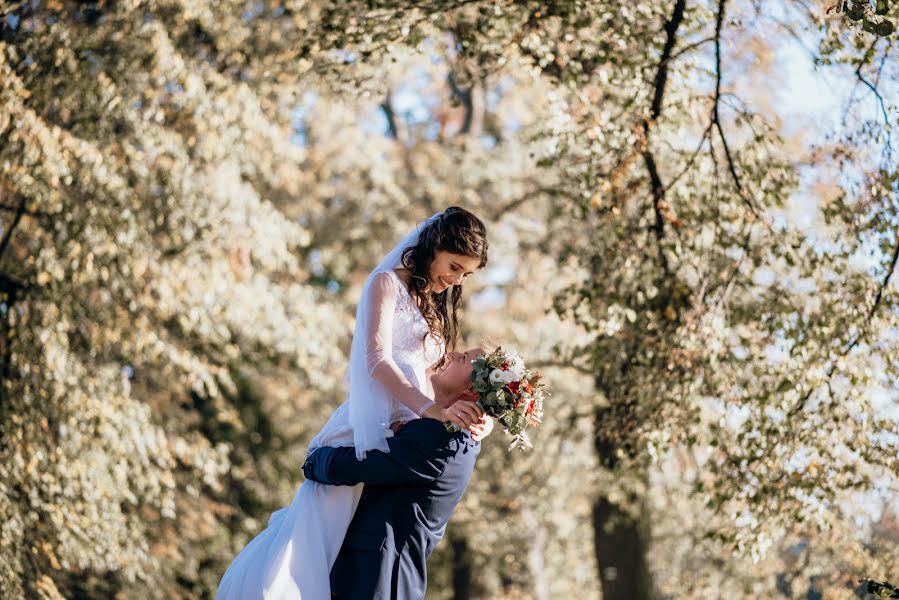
x,y
140,250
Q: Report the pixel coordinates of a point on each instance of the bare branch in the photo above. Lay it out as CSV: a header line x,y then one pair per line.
x,y
671,27
529,195
27,213
692,160
716,117
661,79
689,48
883,108
544,364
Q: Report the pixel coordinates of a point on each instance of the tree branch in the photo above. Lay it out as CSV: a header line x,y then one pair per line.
x,y
661,79
671,26
716,117
390,115
10,285
883,109
555,363
519,200
6,358
690,47
7,236
863,330
692,160
27,213
465,97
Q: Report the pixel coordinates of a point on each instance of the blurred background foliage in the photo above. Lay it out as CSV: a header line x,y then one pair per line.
x,y
692,209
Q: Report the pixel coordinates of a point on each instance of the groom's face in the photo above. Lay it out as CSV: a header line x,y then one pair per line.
x,y
455,374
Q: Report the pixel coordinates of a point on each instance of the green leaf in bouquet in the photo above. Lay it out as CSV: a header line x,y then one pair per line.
x,y
521,441
509,422
501,396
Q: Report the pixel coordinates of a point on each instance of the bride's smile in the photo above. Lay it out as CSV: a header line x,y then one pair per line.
x,y
450,269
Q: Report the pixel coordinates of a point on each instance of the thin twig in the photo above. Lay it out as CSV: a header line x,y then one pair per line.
x,y
692,160
883,108
863,330
529,195
561,365
716,118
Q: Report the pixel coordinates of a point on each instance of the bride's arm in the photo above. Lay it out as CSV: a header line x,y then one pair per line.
x,y
381,366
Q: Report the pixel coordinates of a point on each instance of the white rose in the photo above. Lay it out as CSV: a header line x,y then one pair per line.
x,y
496,376
516,365
517,369
508,376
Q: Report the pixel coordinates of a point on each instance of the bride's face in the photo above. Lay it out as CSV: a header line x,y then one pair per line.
x,y
455,374
451,269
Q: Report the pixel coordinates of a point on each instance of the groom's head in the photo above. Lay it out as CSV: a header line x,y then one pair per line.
x,y
452,381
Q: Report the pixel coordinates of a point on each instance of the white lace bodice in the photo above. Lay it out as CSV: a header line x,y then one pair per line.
x,y
406,350
411,356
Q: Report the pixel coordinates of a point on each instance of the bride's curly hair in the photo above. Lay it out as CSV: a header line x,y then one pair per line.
x,y
460,232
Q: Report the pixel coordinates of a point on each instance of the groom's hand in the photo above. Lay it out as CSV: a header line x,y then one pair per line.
x,y
309,470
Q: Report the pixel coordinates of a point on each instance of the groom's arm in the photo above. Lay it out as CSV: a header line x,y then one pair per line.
x,y
409,461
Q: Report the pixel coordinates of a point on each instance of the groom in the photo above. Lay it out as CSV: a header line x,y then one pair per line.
x,y
409,496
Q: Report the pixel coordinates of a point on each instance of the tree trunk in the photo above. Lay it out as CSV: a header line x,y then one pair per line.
x,y
537,564
620,540
478,108
620,554
462,573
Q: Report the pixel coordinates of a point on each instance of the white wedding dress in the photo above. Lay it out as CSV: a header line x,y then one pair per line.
x,y
291,558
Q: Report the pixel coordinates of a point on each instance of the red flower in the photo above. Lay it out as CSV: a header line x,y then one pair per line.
x,y
531,406
529,388
513,387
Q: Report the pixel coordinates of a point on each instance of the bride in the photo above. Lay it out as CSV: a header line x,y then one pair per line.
x,y
403,326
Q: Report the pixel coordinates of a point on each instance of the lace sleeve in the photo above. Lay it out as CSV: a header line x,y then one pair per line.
x,y
381,366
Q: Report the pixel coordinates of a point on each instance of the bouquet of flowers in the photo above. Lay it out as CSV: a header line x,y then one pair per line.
x,y
509,393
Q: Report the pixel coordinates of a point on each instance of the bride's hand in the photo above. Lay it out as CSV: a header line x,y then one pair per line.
x,y
481,429
462,413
